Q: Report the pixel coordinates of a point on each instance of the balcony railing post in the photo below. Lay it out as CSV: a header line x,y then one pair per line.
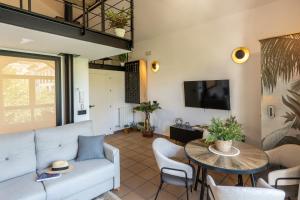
x,y
103,16
87,19
83,17
68,15
29,5
132,21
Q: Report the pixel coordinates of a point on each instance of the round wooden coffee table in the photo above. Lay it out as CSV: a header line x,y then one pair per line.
x,y
251,160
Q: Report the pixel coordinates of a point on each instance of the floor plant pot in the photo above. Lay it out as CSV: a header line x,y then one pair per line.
x,y
120,32
223,146
126,130
147,132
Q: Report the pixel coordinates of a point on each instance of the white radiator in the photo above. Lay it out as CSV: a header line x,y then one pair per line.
x,y
126,116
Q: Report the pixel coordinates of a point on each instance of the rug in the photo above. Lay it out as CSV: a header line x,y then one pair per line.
x,y
108,196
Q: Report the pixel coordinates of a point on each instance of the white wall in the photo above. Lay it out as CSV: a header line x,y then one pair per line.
x,y
81,83
203,52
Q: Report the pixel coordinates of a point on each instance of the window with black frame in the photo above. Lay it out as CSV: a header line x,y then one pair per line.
x,y
29,91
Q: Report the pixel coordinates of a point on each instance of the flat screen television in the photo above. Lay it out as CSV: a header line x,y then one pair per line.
x,y
213,94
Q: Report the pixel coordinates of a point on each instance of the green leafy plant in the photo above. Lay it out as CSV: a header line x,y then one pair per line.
x,y
123,57
225,130
118,19
147,108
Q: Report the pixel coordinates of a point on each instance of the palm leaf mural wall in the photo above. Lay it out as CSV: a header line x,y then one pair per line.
x,y
292,101
280,60
281,65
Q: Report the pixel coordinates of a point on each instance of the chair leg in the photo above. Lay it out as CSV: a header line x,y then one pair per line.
x,y
187,192
187,188
207,195
159,188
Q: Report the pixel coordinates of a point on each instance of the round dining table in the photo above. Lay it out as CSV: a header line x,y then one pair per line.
x,y
250,160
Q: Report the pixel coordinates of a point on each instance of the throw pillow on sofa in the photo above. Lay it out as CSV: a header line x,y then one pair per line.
x,y
90,147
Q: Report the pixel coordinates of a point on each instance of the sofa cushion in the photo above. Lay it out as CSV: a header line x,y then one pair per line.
x,y
85,174
60,143
90,147
17,154
22,188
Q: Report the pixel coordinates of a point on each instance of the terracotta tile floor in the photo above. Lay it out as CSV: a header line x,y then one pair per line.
x,y
140,174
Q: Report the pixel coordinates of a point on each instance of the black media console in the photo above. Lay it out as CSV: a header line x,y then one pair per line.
x,y
184,134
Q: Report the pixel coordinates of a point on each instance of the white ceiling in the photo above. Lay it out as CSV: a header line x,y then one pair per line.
x,y
14,37
156,17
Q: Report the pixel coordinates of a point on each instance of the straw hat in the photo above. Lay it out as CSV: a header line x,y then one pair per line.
x,y
60,167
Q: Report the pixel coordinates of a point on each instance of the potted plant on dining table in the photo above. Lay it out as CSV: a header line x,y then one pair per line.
x,y
223,132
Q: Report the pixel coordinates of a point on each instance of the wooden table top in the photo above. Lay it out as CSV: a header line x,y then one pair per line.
x,y
251,160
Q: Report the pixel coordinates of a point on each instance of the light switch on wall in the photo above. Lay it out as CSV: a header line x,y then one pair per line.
x,y
271,111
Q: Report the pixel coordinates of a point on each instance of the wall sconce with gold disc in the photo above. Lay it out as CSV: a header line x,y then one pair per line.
x,y
155,66
240,55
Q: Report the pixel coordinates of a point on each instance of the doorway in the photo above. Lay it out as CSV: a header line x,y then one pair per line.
x,y
107,97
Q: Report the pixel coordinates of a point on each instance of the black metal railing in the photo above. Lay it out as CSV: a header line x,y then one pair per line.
x,y
88,14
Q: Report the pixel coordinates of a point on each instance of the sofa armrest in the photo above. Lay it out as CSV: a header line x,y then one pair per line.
x,y
113,155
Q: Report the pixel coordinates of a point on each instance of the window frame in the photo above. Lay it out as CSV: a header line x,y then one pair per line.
x,y
58,89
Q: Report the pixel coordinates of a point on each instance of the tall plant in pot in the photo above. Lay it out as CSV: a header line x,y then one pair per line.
x,y
147,108
118,20
223,132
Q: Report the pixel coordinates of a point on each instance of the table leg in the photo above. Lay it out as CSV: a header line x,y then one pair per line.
x,y
240,180
197,177
252,180
203,185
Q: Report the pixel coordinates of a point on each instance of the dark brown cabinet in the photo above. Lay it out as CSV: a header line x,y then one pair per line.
x,y
135,82
184,134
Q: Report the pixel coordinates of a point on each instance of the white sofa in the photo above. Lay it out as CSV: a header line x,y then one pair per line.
x,y
22,155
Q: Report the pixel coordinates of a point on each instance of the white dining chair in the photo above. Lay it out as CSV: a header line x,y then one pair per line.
x,y
171,171
262,191
288,158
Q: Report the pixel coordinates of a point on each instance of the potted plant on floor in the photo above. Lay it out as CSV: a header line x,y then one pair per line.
x,y
118,20
126,129
223,132
147,108
140,126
